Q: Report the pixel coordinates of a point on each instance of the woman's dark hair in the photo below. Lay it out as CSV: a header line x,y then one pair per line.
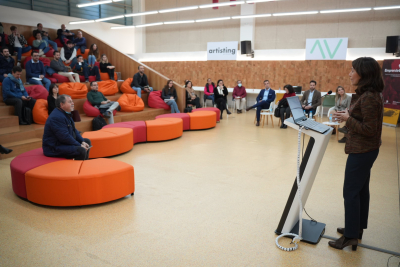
x,y
220,81
51,89
12,28
187,81
94,52
290,88
166,87
370,75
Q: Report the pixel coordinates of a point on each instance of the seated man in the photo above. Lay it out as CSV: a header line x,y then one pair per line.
x,y
61,138
63,33
41,44
45,36
14,94
239,96
6,63
264,99
98,100
68,53
35,71
58,66
82,68
18,42
140,82
80,42
311,99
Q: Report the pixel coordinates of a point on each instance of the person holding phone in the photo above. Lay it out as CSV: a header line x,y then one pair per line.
x,y
19,43
14,94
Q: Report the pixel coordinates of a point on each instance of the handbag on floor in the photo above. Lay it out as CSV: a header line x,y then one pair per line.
x,y
98,123
277,112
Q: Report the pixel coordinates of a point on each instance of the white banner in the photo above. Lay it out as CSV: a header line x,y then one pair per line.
x,y
222,50
326,49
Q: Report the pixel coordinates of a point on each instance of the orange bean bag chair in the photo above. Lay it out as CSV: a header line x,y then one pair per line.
x,y
164,129
202,120
131,103
127,89
108,87
27,54
30,40
40,111
109,142
85,56
77,183
75,90
105,77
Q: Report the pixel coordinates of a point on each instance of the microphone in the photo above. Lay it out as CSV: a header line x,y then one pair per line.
x,y
329,93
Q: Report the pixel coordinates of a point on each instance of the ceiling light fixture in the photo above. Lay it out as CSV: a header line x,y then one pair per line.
x,y
109,18
345,10
149,25
223,4
94,3
178,21
213,19
178,9
295,13
259,1
122,27
81,22
386,7
141,14
251,16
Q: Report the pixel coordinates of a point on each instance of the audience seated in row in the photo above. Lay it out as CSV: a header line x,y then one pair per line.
x,y
239,96
6,63
82,68
64,35
220,96
140,82
19,43
52,98
209,91
283,104
94,55
68,53
35,71
98,100
170,96
191,97
80,42
41,45
264,100
61,139
15,94
45,36
342,102
58,66
106,67
311,99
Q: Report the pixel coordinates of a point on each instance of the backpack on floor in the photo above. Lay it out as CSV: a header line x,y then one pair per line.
x,y
98,123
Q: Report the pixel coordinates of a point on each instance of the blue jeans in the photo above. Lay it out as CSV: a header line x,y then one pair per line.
x,y
44,48
45,82
53,44
209,97
87,71
174,106
261,105
73,62
139,91
307,111
21,50
82,47
91,60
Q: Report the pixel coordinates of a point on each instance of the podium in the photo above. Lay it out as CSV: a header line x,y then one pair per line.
x,y
289,222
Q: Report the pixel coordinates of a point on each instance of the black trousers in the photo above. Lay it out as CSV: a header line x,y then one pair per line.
x,y
195,102
19,104
221,104
283,111
356,191
81,153
111,73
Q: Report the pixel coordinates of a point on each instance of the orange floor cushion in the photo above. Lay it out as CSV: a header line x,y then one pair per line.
x,y
85,56
109,142
75,90
105,77
131,103
40,111
164,129
202,120
26,54
30,40
108,87
127,89
77,183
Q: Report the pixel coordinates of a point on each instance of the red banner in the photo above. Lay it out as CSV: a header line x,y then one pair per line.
x,y
391,77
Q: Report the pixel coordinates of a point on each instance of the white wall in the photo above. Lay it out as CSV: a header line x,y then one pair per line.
x,y
122,40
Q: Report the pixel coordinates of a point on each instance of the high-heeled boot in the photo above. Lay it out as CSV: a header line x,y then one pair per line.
x,y
344,242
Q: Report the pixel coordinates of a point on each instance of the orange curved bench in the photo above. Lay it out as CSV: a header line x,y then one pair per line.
x,y
164,129
131,103
77,183
202,120
75,90
109,87
109,142
40,111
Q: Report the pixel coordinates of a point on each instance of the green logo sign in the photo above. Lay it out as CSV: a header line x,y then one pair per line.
x,y
331,55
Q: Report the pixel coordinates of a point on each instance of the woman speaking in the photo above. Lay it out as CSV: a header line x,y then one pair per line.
x,y
364,123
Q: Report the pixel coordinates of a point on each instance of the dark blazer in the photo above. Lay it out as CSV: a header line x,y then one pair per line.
x,y
217,95
271,95
60,137
316,100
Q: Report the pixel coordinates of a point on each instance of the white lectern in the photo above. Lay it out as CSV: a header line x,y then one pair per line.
x,y
289,223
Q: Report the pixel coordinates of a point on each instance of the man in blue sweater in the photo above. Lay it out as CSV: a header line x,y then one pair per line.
x,y
80,42
35,71
6,63
14,94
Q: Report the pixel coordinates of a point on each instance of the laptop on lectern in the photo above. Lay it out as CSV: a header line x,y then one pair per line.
x,y
300,119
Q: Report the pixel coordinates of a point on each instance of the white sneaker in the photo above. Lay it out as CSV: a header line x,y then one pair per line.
x,y
40,52
19,64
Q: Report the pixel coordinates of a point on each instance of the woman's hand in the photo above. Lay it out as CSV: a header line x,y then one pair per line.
x,y
341,115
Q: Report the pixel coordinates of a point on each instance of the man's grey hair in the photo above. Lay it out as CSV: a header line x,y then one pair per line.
x,y
61,99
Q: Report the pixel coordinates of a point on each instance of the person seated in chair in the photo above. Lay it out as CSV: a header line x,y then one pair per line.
x,y
140,82
209,91
80,42
35,71
342,102
283,104
191,97
14,94
61,139
98,100
63,34
311,99
45,36
83,68
107,67
68,54
6,63
220,94
264,100
58,66
239,96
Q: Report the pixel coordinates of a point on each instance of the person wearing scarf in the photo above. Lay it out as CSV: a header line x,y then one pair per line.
x,y
191,97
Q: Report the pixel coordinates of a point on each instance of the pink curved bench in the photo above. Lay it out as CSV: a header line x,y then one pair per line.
x,y
139,129
185,118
